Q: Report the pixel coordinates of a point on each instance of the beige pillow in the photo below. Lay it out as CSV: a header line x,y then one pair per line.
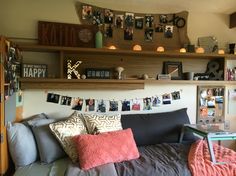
x,y
99,123
66,130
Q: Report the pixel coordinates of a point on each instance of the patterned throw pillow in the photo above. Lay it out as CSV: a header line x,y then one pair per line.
x,y
66,130
99,123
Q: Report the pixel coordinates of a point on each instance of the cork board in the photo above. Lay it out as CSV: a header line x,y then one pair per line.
x,y
147,30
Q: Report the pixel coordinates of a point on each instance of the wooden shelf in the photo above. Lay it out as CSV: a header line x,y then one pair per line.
x,y
104,51
193,82
33,83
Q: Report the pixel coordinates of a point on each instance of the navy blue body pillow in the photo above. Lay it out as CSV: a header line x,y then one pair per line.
x,y
155,128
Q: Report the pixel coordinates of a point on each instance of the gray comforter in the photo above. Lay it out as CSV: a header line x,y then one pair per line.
x,y
157,160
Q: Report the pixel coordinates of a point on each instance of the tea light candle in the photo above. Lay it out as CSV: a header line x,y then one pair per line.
x,y
160,49
200,50
137,48
112,47
182,50
221,51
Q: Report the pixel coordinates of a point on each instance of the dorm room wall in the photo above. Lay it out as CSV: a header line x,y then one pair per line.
x,y
19,19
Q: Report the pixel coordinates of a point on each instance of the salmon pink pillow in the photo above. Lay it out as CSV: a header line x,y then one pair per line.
x,y
108,147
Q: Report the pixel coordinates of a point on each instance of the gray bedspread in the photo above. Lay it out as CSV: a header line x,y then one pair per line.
x,y
104,170
157,160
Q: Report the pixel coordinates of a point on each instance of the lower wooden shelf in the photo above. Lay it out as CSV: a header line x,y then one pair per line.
x,y
108,84
33,83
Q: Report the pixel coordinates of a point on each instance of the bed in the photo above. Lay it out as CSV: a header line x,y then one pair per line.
x,y
154,137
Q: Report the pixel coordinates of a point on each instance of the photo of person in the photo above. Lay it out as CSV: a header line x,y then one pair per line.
x,y
211,102
101,106
125,105
129,19
77,104
149,21
65,100
87,12
53,98
163,19
203,112
90,105
175,95
119,21
156,101
159,28
148,34
136,105
108,16
108,30
97,17
138,22
166,99
169,31
147,104
113,106
128,33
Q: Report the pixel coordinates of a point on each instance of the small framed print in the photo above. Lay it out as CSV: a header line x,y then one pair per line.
x,y
96,73
138,22
174,69
149,21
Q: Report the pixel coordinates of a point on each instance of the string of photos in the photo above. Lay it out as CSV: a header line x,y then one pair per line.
x,y
102,105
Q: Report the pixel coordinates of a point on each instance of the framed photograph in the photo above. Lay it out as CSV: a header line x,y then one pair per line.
x,y
96,73
174,69
138,22
128,33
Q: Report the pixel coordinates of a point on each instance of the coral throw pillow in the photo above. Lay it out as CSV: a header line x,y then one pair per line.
x,y
108,147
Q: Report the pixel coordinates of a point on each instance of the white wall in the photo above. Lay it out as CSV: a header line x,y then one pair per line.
x,y
35,100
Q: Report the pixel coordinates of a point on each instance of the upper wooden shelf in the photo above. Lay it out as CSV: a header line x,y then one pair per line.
x,y
102,51
38,83
46,83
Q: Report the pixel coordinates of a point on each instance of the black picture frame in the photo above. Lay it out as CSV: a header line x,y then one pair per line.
x,y
174,69
97,73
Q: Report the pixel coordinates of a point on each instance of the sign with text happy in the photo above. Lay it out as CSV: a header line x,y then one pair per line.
x,y
34,70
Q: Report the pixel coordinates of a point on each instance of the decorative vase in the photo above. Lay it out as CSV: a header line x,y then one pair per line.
x,y
98,39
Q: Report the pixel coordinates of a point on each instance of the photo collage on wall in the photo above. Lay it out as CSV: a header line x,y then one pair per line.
x,y
211,104
102,105
111,20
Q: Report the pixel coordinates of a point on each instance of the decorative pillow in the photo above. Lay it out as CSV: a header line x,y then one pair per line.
x,y
21,143
66,130
99,123
33,120
157,128
116,146
49,148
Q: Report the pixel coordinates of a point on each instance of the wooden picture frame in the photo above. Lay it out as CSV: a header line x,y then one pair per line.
x,y
174,69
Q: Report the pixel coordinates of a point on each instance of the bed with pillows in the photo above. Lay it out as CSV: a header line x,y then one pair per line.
x,y
101,145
